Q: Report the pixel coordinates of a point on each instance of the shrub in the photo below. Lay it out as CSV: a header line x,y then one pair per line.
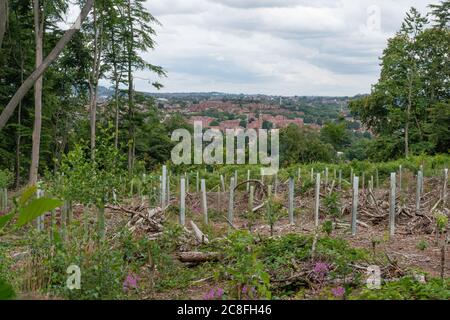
x,y
247,275
6,179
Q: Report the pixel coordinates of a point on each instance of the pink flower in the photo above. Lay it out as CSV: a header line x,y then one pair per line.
x,y
131,282
210,295
338,292
321,268
213,294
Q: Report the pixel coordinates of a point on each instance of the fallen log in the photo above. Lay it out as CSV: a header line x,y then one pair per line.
x,y
198,257
201,237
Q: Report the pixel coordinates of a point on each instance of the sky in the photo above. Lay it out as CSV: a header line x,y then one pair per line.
x,y
278,47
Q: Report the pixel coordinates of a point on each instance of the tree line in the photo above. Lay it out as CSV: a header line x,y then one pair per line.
x,y
408,109
50,75
64,69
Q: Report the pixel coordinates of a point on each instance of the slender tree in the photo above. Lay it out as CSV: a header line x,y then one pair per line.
x,y
139,39
39,18
53,55
3,18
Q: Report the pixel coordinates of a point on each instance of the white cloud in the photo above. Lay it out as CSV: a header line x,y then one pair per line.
x,y
289,47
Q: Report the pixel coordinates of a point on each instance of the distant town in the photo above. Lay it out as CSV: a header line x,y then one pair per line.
x,y
223,111
233,111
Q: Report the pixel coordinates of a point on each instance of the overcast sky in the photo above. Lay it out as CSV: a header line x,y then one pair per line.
x,y
281,47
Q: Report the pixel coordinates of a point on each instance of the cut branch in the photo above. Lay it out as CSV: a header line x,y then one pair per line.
x,y
198,257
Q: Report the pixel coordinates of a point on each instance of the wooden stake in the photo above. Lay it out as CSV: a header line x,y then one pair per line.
x,y
291,201
187,183
40,220
355,204
340,179
423,178
400,178
197,183
392,206
251,198
248,178
317,201
222,182
418,190
204,202
183,201
444,190
164,188
168,189
231,201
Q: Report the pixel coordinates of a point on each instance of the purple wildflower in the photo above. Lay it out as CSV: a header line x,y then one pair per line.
x,y
131,282
321,268
220,293
338,292
210,295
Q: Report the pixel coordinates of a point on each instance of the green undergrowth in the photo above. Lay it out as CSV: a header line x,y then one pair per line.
x,y
408,288
251,267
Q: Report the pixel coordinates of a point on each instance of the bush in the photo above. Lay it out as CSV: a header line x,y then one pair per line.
x,y
248,279
6,179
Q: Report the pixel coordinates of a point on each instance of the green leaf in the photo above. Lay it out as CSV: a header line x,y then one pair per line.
x,y
6,291
5,219
27,194
36,208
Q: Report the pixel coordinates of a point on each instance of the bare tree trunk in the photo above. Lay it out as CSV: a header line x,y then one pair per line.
x,y
408,116
19,124
30,81
116,98
39,36
93,84
117,78
3,18
131,128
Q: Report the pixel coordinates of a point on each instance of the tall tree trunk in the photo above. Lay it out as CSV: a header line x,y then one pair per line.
x,y
30,81
95,76
116,98
92,88
39,36
92,117
116,88
131,128
3,16
408,117
19,123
